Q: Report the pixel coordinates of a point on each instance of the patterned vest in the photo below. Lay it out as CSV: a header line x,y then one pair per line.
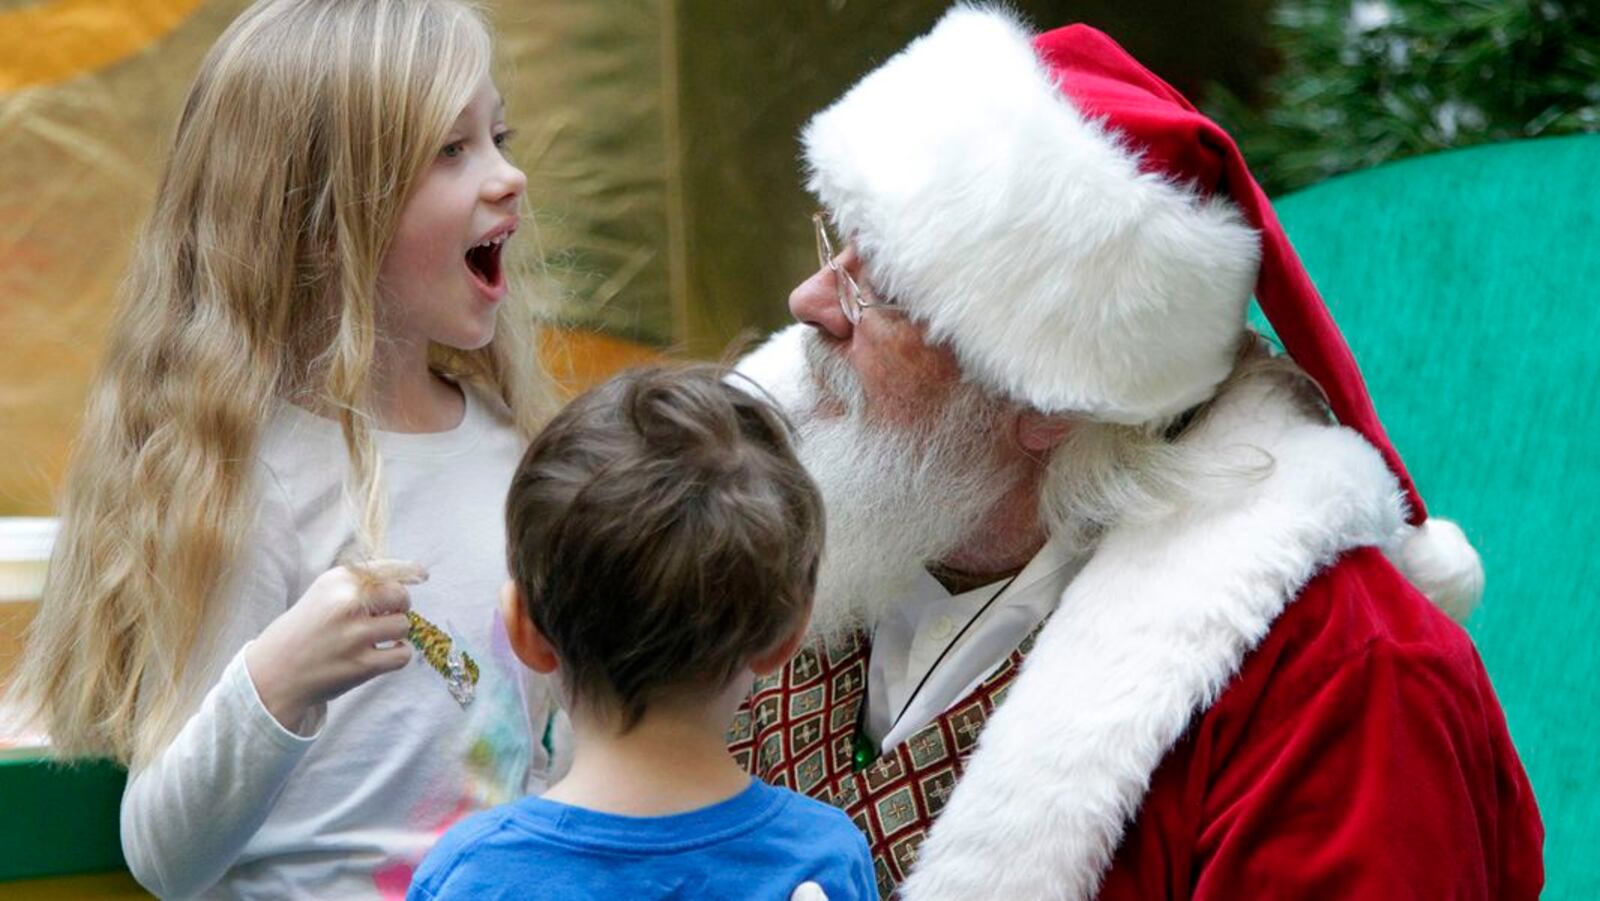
x,y
799,727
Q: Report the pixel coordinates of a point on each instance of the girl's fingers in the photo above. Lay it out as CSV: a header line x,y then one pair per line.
x,y
388,627
387,660
386,598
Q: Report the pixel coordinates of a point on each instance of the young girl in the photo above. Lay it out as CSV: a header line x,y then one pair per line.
x,y
317,361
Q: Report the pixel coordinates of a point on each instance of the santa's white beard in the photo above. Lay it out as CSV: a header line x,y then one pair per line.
x,y
896,498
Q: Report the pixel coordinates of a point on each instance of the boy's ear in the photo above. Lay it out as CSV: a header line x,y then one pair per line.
x,y
1041,432
773,660
529,644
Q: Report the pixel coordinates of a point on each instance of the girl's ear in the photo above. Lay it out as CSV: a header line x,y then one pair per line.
x,y
529,644
773,660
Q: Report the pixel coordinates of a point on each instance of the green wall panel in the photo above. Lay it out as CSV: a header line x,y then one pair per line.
x,y
1468,285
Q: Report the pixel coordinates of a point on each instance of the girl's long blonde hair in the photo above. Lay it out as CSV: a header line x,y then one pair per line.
x,y
253,282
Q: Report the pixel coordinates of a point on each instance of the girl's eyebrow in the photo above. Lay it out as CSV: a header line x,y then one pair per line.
x,y
499,109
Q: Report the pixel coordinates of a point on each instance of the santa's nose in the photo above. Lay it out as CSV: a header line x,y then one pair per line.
x,y
815,302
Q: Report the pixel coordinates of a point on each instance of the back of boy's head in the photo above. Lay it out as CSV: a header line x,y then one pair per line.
x,y
662,534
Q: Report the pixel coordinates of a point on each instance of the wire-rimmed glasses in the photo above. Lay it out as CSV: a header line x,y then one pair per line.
x,y
852,297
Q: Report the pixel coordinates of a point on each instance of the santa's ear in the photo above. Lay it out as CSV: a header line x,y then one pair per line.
x,y
527,642
1041,432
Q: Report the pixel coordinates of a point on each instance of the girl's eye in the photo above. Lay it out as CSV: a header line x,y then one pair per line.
x,y
501,139
452,149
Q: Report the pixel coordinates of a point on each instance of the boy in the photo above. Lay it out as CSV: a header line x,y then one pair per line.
x,y
663,549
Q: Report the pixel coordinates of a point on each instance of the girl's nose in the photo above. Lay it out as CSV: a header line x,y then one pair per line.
x,y
507,184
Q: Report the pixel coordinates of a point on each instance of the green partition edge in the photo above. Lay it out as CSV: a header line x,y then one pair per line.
x,y
58,819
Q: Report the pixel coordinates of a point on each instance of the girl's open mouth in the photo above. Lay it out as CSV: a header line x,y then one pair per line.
x,y
483,261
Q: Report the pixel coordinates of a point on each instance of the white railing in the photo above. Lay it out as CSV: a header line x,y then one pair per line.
x,y
25,543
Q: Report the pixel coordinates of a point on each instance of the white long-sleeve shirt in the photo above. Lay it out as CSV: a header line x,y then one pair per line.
x,y
237,805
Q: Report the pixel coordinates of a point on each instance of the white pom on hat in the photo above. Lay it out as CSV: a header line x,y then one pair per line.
x,y
1439,560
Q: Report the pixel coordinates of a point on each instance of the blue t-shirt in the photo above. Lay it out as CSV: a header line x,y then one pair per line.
x,y
761,843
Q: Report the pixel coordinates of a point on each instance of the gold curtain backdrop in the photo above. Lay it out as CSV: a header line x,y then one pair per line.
x,y
658,136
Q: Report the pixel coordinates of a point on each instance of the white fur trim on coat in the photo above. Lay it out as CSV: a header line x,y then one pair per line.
x,y
777,371
1147,636
1025,234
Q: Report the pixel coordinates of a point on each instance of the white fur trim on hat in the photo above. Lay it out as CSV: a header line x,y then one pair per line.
x,y
1025,234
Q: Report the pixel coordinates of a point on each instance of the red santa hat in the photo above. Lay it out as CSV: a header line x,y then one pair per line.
x,y
1084,239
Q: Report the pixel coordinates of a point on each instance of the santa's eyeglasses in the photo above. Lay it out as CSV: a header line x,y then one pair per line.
x,y
852,297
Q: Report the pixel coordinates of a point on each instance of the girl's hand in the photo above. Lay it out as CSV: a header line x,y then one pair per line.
x,y
348,627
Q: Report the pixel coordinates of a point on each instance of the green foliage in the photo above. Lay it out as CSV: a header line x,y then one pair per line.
x,y
1368,81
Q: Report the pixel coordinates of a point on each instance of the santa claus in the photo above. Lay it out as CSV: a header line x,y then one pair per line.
x,y
1115,602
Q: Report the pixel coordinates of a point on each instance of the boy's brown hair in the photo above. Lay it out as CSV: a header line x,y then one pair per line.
x,y
662,534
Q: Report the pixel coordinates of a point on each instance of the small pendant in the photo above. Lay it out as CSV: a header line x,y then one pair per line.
x,y
864,752
459,670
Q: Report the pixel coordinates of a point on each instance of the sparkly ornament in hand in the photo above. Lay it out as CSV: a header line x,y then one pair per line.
x,y
459,670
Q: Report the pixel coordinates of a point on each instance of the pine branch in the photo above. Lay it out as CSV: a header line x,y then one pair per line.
x,y
1369,81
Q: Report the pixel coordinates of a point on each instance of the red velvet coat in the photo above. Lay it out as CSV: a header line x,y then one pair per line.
x,y
1359,753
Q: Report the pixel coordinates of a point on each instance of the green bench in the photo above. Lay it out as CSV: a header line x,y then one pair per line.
x,y
57,820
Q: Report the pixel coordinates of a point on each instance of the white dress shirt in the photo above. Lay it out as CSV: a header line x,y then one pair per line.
x,y
912,636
